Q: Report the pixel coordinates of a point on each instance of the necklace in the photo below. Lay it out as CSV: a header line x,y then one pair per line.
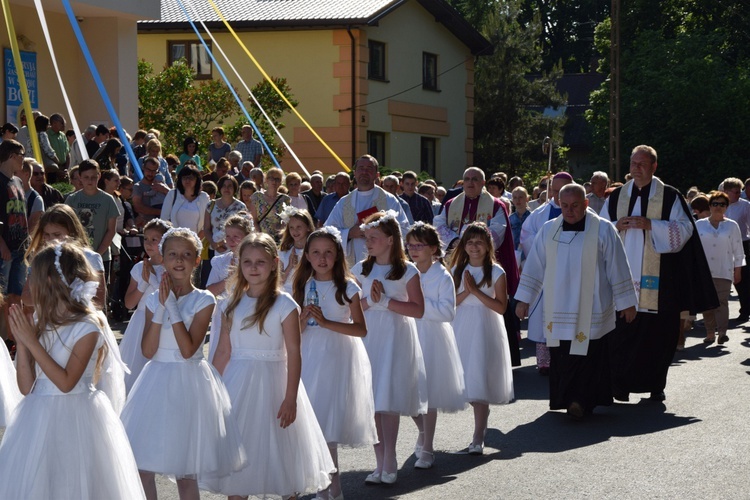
x,y
323,294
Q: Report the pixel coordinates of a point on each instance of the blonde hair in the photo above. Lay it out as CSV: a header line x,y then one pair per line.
x,y
239,286
390,227
48,291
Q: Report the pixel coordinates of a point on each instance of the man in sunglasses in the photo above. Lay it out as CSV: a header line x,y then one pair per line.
x,y
49,194
739,212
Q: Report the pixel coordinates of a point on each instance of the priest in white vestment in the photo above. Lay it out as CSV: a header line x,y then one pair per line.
x,y
579,261
351,210
531,226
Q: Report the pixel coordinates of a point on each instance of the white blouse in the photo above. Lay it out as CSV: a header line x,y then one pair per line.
x,y
723,247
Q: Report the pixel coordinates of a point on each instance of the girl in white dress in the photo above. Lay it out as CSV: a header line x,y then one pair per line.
x,y
65,440
145,278
481,300
445,375
259,358
60,223
10,396
392,299
222,265
178,413
335,368
298,226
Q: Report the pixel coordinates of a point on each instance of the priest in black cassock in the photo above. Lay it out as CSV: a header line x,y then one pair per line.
x,y
670,275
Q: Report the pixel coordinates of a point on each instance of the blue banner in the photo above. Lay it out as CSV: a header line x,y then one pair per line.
x,y
13,87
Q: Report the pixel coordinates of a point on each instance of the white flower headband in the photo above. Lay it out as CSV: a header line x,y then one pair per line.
x,y
81,291
333,232
181,232
389,214
287,212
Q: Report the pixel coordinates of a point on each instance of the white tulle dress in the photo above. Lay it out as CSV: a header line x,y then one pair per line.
x,y
399,382
337,374
178,415
130,345
483,345
221,267
10,396
67,445
445,375
280,461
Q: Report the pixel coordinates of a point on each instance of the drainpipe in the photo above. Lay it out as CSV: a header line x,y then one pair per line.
x,y
354,97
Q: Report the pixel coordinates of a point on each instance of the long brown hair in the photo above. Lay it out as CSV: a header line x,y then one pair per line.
x,y
48,291
64,216
286,238
305,270
460,259
428,235
389,226
238,285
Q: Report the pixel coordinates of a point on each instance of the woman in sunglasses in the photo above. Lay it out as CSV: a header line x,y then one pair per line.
x,y
722,243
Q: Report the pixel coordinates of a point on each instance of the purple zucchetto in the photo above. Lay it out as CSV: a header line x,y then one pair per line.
x,y
563,175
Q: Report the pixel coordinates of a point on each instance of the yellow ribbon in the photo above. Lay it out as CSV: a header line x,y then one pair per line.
x,y
22,82
269,80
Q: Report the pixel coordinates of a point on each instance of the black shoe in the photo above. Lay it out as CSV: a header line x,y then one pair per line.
x,y
544,371
742,318
658,396
722,339
575,411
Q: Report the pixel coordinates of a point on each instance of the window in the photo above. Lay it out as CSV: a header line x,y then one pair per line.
x,y
429,71
427,155
195,55
376,146
376,69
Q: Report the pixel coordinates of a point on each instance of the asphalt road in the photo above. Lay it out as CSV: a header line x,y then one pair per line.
x,y
694,445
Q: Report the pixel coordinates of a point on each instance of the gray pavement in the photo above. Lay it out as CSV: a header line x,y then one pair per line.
x,y
694,445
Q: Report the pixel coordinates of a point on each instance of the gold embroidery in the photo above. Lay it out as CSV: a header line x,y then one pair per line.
x,y
580,337
549,327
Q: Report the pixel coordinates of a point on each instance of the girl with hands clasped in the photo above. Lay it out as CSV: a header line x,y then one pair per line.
x,y
335,368
299,225
64,439
178,412
145,278
392,299
479,327
10,396
445,375
259,358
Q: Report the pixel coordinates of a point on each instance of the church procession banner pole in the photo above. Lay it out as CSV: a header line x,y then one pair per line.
x,y
229,85
247,89
100,86
45,29
22,83
270,81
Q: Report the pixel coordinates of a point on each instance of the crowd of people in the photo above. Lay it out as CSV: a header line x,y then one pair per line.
x,y
332,306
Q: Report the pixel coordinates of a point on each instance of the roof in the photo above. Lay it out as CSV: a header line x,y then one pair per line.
x,y
247,15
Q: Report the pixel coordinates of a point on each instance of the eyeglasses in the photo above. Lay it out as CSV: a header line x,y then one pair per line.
x,y
152,170
718,204
416,246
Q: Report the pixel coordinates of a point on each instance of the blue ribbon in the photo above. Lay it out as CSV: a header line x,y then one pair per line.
x,y
102,90
229,85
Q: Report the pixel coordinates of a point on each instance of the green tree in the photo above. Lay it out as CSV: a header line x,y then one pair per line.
x,y
685,76
274,107
511,95
178,106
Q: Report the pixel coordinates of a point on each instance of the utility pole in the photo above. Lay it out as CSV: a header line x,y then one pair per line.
x,y
614,94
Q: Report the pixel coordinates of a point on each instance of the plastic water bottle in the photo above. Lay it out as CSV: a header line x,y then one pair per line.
x,y
312,299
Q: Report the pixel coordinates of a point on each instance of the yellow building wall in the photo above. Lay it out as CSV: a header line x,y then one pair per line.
x,y
112,42
305,58
445,115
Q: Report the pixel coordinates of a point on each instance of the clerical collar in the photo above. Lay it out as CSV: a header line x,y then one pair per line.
x,y
644,191
576,226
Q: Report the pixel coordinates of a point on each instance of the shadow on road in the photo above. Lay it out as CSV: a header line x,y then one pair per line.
x,y
554,432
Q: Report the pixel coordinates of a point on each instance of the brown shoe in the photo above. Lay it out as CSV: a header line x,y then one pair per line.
x,y
709,340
